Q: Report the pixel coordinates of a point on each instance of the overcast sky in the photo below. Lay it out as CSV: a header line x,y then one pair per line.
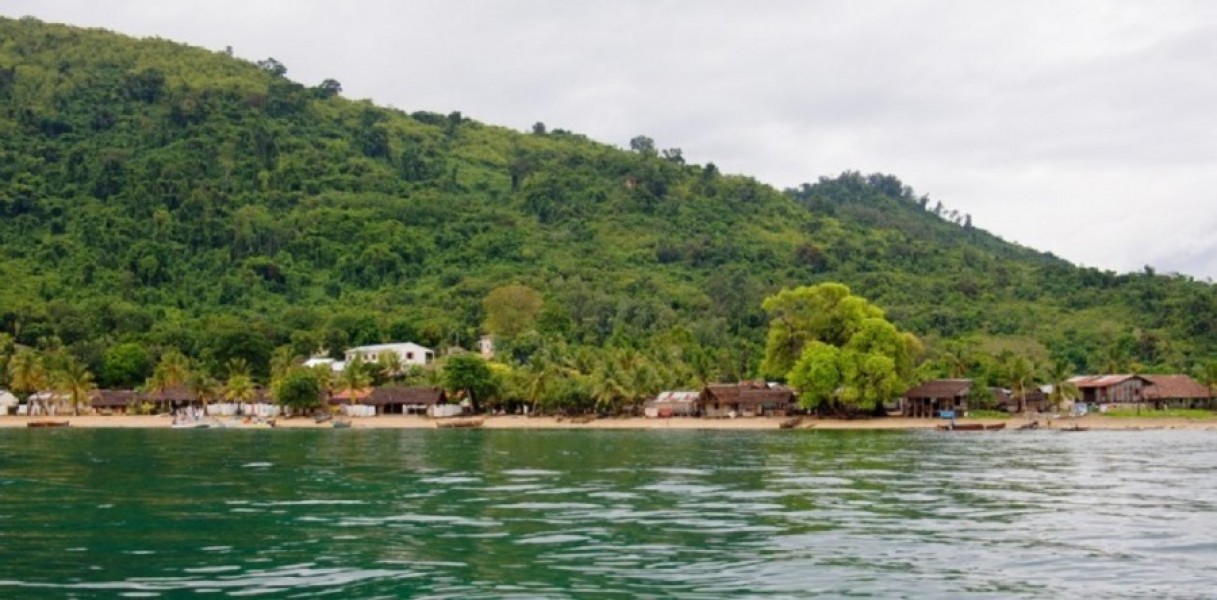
x,y
1084,128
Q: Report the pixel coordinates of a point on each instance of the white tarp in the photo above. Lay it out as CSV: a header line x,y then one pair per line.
x,y
7,399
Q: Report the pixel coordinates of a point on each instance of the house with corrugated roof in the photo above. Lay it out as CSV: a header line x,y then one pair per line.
x,y
672,404
747,399
1110,391
1177,391
931,398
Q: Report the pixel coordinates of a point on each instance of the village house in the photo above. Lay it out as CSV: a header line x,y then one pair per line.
x,y
113,402
1176,391
8,403
397,400
747,399
672,404
408,353
932,398
1102,392
1034,400
486,347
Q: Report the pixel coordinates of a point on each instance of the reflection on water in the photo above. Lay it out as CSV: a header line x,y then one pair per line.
x,y
682,514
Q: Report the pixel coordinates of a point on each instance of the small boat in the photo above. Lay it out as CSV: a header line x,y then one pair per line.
x,y
460,423
1028,426
961,427
323,418
790,423
1074,427
47,424
341,424
199,424
994,426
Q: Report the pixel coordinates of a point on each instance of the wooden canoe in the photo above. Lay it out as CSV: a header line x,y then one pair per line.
x,y
460,423
47,424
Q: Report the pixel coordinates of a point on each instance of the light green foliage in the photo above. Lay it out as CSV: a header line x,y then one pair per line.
x,y
826,313
511,310
849,355
817,374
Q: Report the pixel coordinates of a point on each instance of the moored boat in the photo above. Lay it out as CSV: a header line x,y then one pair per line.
x,y
460,423
47,424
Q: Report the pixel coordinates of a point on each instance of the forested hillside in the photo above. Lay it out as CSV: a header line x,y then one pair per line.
x,y
168,197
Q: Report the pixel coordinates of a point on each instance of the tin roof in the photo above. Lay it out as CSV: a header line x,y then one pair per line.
x,y
1165,387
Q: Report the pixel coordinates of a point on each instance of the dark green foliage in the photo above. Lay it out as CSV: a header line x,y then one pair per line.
x,y
470,375
299,389
171,197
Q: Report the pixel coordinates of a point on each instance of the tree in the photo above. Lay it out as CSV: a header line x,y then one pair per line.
x,y
469,374
27,373
817,375
1063,390
172,370
827,313
328,88
240,389
76,382
355,377
272,66
511,310
1020,375
848,355
125,365
298,389
643,145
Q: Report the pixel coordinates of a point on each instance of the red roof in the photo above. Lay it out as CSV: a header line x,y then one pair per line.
x,y
1166,387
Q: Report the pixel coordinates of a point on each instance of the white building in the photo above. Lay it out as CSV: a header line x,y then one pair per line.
x,y
408,352
486,347
335,365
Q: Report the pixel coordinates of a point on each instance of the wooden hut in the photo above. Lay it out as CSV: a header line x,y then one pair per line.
x,y
1034,400
672,404
397,400
1176,391
930,399
1104,391
113,402
169,399
747,399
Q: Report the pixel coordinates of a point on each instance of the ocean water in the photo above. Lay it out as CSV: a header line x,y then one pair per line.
x,y
607,514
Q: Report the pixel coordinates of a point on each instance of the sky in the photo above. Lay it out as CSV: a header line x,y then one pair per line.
x,y
1084,128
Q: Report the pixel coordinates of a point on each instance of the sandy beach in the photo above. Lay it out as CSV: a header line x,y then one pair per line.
x,y
1094,423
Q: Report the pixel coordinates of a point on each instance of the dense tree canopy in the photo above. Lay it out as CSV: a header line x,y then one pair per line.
x,y
202,208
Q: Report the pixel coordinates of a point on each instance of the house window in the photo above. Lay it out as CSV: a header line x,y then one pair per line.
x,y
409,356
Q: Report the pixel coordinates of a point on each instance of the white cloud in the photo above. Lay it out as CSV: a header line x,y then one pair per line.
x,y
1082,127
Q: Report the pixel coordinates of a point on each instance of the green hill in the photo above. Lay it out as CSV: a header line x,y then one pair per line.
x,y
156,193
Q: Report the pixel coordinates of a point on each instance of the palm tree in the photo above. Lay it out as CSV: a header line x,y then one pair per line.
x,y
1063,390
27,373
607,389
76,382
388,366
172,370
355,378
205,388
281,361
239,389
1021,376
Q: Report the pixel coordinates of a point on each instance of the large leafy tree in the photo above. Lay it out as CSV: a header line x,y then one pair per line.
x,y
849,357
298,389
511,310
826,313
470,374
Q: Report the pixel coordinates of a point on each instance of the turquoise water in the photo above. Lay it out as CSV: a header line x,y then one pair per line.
x,y
606,514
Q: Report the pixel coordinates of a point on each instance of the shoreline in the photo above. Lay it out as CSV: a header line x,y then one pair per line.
x,y
1093,423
